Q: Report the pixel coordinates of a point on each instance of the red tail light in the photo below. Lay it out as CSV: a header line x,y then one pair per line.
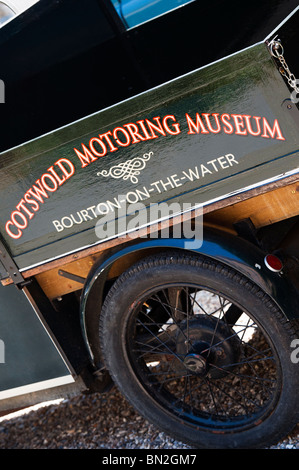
x,y
273,263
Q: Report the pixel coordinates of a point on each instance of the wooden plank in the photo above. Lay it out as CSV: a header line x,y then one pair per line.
x,y
269,207
267,204
266,209
55,285
187,137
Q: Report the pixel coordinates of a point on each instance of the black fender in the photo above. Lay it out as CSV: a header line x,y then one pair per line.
x,y
231,250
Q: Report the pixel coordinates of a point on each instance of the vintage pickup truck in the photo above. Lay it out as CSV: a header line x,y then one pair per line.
x,y
149,212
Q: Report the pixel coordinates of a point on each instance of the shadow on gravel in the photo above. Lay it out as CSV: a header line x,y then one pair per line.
x,y
94,421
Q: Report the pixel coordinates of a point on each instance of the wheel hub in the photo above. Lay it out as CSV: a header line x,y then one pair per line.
x,y
208,346
196,363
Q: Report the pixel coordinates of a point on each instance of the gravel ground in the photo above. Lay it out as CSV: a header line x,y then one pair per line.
x,y
91,422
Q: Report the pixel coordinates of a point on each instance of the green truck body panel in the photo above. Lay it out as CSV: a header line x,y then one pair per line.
x,y
218,130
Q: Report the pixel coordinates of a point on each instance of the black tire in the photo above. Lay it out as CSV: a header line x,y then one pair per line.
x,y
193,375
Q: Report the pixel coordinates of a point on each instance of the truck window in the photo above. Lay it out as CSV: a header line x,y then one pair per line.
x,y
6,13
135,12
10,9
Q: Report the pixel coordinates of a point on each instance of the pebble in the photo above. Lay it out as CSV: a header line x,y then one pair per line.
x,y
93,421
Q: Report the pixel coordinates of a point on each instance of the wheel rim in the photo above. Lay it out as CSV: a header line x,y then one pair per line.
x,y
202,357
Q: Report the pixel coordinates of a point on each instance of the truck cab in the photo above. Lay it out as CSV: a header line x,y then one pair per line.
x,y
113,105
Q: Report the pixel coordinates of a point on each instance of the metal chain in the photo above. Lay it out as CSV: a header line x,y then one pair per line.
x,y
277,51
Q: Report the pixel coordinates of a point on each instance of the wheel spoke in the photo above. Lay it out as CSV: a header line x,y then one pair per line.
x,y
200,355
157,338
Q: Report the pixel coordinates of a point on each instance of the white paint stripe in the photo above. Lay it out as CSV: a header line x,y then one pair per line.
x,y
282,23
146,91
35,387
157,87
197,206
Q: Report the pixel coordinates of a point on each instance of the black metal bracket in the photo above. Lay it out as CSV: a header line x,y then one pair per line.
x,y
72,277
246,229
10,267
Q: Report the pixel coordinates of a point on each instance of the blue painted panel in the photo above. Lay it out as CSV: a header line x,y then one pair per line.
x,y
135,12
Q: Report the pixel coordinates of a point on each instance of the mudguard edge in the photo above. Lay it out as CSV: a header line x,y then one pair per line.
x,y
228,249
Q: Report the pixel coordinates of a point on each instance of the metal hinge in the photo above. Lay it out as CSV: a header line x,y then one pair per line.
x,y
10,267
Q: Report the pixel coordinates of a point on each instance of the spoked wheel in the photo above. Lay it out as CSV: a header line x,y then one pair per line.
x,y
201,352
